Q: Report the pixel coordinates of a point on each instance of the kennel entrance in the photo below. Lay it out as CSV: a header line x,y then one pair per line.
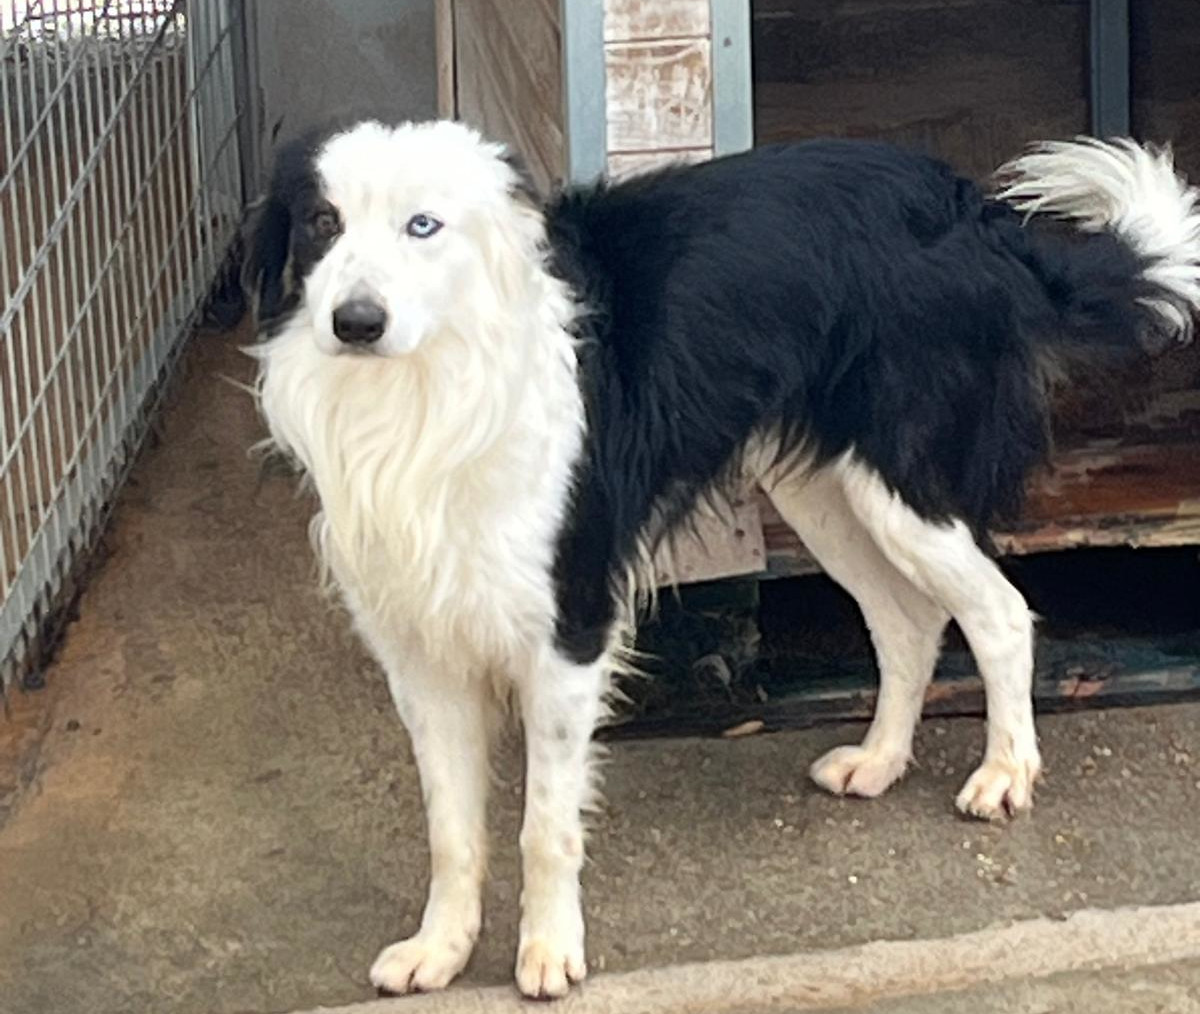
x,y
622,85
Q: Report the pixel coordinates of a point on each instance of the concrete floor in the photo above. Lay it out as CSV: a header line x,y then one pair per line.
x,y
212,807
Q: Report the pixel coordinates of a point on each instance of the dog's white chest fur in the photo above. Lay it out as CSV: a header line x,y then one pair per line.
x,y
442,480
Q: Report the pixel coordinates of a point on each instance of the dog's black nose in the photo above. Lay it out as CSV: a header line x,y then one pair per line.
x,y
359,321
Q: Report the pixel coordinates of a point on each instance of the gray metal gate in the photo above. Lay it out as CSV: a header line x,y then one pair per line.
x,y
120,193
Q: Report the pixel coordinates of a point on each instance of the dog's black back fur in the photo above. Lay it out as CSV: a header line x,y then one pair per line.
x,y
841,295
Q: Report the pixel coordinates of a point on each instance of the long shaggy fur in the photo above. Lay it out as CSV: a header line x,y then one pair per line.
x,y
506,408
821,297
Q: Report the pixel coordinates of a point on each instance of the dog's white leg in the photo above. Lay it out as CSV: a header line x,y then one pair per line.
x,y
906,628
561,704
450,717
944,561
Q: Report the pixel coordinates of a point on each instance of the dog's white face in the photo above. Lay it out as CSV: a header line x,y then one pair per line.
x,y
392,234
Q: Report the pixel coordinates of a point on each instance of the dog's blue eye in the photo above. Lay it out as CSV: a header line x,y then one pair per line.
x,y
422,226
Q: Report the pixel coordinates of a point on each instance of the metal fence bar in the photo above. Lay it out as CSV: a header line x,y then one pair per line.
x,y
733,82
584,83
141,194
117,124
119,197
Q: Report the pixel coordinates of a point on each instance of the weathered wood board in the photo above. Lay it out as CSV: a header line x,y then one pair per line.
x,y
508,77
972,80
1164,37
629,20
725,544
658,64
659,95
447,99
1107,495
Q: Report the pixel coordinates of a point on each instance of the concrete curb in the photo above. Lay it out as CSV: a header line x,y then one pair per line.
x,y
824,980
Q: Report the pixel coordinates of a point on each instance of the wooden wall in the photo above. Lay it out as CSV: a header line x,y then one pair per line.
x,y
508,77
1165,72
971,81
974,81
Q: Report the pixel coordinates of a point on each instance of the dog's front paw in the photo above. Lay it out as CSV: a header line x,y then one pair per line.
x,y
1002,787
857,771
547,968
421,963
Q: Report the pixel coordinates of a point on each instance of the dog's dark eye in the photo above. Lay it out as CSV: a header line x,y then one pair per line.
x,y
422,226
325,223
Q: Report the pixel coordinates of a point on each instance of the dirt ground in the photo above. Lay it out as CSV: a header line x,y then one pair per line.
x,y
212,807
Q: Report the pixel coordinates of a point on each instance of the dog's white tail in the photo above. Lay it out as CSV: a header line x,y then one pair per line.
x,y
1133,191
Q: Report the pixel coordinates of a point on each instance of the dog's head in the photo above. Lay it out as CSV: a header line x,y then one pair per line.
x,y
379,237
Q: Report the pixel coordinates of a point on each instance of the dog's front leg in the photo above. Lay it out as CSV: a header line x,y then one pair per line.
x,y
450,718
561,702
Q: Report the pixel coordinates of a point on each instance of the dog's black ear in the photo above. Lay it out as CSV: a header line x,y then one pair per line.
x,y
264,274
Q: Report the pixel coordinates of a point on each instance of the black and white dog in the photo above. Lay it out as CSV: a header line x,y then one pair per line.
x,y
505,406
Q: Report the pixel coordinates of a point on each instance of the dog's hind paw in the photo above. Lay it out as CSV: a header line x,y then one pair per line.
x,y
1000,788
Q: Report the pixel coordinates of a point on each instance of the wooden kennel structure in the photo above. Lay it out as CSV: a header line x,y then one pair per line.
x,y
582,87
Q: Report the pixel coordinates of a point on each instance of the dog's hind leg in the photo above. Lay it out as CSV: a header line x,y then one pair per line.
x,y
450,717
906,628
561,704
944,561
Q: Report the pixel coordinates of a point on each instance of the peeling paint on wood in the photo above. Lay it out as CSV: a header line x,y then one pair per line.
x,y
625,20
659,95
1106,495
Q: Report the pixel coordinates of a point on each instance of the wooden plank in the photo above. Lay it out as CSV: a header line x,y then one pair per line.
x,y
1146,495
972,81
628,20
719,546
447,102
622,165
659,95
508,66
1165,77
1142,495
